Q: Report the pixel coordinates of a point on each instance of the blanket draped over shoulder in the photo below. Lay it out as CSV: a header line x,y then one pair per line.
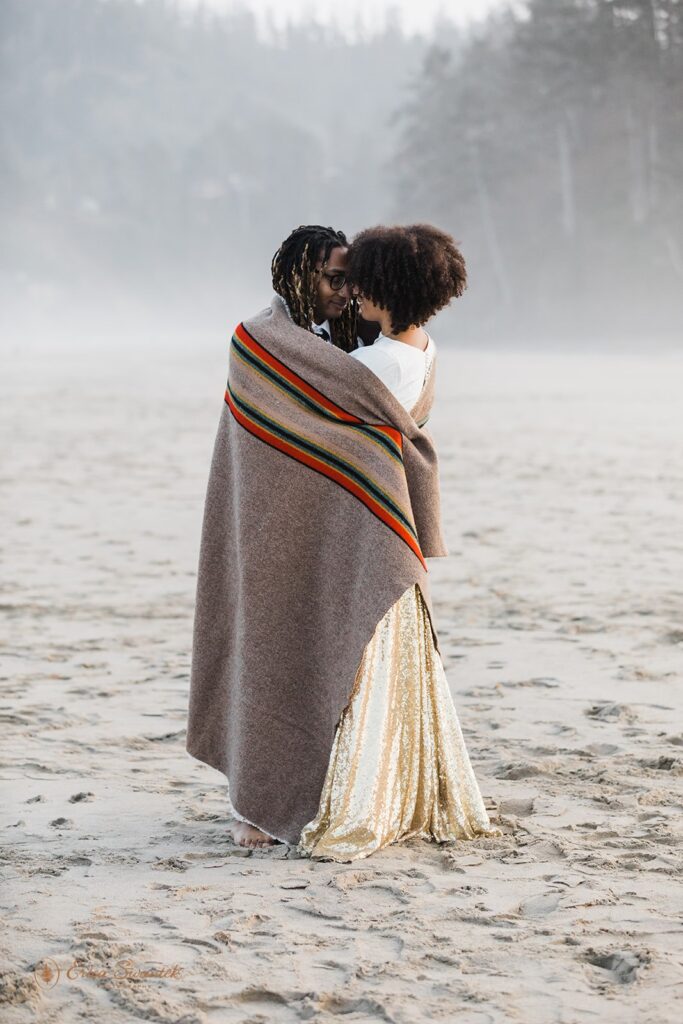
x,y
321,507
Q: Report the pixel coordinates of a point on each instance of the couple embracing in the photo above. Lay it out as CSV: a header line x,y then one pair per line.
x,y
317,686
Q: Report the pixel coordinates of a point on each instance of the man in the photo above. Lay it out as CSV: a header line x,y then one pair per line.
x,y
309,271
235,625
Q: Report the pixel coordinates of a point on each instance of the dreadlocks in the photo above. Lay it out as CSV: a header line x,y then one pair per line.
x,y
296,278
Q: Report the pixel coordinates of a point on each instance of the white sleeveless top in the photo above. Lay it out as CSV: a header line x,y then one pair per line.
x,y
401,368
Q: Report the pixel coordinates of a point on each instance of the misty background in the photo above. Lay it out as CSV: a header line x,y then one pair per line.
x,y
153,155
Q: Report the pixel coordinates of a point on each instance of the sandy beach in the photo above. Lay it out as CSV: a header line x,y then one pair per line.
x,y
560,611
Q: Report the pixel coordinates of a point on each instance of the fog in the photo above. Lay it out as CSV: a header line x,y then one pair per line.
x,y
153,157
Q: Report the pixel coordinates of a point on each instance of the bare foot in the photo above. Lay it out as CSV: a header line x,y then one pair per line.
x,y
247,835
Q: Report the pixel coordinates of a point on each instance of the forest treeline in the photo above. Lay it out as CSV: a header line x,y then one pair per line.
x,y
553,147
155,156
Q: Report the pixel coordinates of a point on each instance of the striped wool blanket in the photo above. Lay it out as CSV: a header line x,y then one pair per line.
x,y
321,507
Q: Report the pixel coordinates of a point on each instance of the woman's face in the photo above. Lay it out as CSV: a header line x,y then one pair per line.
x,y
368,310
331,302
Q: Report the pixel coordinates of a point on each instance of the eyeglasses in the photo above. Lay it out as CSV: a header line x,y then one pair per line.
x,y
337,280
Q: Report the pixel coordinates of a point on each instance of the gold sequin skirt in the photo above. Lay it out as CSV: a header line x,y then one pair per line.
x,y
399,768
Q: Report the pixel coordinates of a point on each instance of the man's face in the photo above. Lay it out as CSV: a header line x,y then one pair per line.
x,y
331,302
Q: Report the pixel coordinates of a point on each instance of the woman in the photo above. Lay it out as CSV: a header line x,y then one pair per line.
x,y
321,507
399,767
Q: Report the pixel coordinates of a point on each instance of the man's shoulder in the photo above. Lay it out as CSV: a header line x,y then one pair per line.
x,y
276,312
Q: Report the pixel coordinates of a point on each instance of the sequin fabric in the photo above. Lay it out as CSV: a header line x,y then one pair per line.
x,y
399,768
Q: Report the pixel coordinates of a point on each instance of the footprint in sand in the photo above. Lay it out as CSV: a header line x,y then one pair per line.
x,y
610,712
520,808
539,906
620,967
517,770
663,764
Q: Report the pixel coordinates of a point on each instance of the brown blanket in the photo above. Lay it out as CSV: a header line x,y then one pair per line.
x,y
322,504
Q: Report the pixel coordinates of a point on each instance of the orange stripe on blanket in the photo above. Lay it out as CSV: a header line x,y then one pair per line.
x,y
391,432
